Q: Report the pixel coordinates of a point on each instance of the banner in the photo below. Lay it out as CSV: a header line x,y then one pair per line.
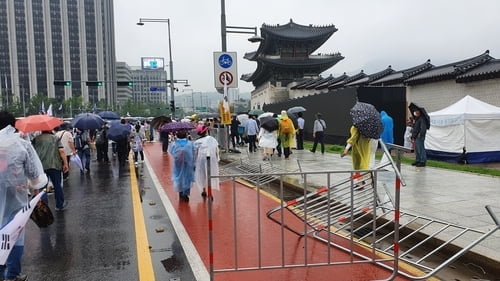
x,y
11,231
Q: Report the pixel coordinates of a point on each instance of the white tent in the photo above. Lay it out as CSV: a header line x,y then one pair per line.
x,y
470,124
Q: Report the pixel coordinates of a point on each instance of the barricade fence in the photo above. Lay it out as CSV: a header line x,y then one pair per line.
x,y
348,220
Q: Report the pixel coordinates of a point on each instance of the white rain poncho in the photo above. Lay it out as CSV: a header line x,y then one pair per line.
x,y
206,146
182,151
20,169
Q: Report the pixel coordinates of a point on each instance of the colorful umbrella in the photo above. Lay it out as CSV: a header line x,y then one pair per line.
x,y
87,121
38,123
177,126
109,115
366,118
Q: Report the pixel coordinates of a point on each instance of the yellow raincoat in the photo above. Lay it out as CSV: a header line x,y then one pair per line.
x,y
360,150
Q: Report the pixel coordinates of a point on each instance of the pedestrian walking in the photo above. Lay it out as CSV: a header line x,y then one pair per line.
x,y
137,141
65,135
408,142
123,146
319,128
20,169
102,143
82,144
361,148
268,141
182,152
286,133
300,131
54,162
252,129
164,137
206,146
234,135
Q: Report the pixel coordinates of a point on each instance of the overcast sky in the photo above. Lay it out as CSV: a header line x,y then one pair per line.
x,y
372,34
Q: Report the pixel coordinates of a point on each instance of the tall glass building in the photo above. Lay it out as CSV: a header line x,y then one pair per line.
x,y
42,41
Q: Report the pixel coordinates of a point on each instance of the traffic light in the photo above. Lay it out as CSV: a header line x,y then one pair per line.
x,y
62,83
125,83
172,106
93,83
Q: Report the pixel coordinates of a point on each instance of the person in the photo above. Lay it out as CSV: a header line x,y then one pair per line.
x,y
319,128
408,142
137,139
164,141
205,146
82,144
387,135
20,169
54,162
418,133
122,145
235,123
268,141
361,149
64,134
101,143
251,129
286,133
300,131
182,152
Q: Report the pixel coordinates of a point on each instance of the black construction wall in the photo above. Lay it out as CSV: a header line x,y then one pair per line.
x,y
335,106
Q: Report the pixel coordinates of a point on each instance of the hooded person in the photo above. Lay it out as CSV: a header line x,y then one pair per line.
x,y
286,133
182,151
205,146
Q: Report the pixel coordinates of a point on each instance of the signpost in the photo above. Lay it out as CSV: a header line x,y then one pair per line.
x,y
225,70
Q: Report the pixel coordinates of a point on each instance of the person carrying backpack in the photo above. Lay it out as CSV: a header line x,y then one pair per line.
x,y
101,143
286,133
82,140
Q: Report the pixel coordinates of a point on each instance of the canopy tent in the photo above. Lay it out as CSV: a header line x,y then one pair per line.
x,y
467,130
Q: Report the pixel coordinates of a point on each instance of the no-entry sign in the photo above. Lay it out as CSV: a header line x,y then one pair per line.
x,y
225,71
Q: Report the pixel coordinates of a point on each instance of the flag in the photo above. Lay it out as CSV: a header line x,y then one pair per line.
x,y
49,111
11,231
60,107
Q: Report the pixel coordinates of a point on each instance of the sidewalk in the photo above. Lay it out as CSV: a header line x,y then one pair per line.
x,y
451,196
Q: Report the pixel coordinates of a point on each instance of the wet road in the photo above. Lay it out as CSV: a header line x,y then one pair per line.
x,y
96,237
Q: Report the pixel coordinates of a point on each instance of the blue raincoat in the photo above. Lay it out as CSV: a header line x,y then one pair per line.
x,y
182,151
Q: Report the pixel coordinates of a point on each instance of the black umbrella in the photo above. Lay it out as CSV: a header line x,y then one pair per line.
x,y
366,118
87,121
177,126
118,132
109,115
269,123
158,121
414,106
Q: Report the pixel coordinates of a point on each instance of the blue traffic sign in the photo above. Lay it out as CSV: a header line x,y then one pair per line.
x,y
225,61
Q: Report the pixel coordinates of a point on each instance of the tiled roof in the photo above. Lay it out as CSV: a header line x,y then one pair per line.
x,y
448,71
398,76
297,31
332,81
489,70
347,80
371,77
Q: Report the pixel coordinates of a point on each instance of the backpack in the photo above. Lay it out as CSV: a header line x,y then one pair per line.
x,y
100,137
78,141
286,126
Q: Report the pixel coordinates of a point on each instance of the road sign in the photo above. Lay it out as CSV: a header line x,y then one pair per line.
x,y
225,69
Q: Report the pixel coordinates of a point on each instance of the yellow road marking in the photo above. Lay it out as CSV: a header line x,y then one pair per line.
x,y
144,263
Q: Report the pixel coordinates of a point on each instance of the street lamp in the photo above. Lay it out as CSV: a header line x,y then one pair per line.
x,y
235,29
170,63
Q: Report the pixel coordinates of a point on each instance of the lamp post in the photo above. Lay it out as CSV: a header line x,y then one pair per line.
x,y
170,63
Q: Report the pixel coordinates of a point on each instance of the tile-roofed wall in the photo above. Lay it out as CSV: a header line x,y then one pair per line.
x,y
489,70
